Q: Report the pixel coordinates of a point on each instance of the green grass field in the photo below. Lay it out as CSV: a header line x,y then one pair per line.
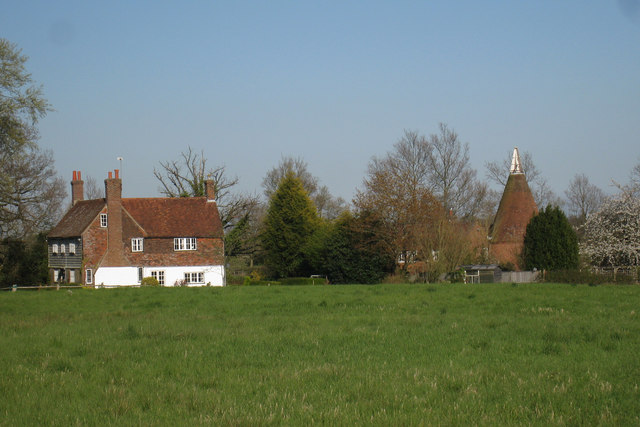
x,y
385,354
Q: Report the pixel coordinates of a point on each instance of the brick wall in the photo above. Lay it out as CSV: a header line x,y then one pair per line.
x,y
115,247
94,241
159,252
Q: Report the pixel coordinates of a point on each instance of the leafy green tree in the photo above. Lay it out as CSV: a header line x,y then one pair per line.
x,y
550,243
21,103
346,253
23,262
290,221
31,193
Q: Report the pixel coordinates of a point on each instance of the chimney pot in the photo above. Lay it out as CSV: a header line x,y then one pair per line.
x,y
75,175
110,175
79,177
117,173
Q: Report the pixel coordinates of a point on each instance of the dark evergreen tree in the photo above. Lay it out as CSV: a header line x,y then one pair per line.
x,y
290,221
23,262
344,252
550,243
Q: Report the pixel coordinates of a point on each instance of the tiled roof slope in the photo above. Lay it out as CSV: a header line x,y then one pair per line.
x,y
516,209
158,217
78,218
175,217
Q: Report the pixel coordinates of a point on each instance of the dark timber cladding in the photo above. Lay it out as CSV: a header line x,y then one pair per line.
x,y
516,209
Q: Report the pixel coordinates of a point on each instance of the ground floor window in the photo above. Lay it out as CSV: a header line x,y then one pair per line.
x,y
58,275
194,277
159,276
89,276
140,272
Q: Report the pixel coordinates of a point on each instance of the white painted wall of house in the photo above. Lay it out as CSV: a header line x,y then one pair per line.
x,y
128,276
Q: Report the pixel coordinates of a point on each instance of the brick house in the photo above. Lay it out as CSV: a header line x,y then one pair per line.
x,y
117,241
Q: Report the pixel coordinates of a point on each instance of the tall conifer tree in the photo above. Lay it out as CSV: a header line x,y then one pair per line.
x,y
550,243
291,220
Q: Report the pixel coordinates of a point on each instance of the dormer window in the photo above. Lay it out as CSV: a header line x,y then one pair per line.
x,y
72,248
184,244
137,244
54,248
103,220
62,248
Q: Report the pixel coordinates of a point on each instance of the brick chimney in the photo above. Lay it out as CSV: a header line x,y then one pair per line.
x,y
77,188
115,245
210,190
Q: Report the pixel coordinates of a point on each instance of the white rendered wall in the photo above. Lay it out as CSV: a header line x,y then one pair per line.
x,y
116,276
128,276
213,274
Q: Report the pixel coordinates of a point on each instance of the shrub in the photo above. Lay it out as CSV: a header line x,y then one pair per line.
x,y
149,281
180,283
586,277
300,281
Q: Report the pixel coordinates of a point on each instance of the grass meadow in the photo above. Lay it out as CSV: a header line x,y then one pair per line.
x,y
490,354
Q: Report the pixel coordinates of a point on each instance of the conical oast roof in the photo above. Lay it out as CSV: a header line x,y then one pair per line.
x,y
517,207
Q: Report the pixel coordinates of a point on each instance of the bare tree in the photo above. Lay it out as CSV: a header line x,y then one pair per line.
x,y
328,206
583,197
92,189
186,177
289,164
397,191
31,199
451,176
402,212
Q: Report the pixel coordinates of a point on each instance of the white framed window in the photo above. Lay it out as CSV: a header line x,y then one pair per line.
x,y
140,272
159,276
54,248
72,248
103,220
137,244
89,276
185,244
194,277
62,248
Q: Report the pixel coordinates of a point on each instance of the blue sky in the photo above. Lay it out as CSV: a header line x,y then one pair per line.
x,y
332,82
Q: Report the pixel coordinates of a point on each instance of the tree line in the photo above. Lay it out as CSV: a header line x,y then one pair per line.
x,y
421,210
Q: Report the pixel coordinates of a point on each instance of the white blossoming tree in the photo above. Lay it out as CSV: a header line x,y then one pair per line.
x,y
612,235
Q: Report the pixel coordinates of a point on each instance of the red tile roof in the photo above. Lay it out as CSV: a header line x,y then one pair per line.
x,y
158,217
175,217
78,218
